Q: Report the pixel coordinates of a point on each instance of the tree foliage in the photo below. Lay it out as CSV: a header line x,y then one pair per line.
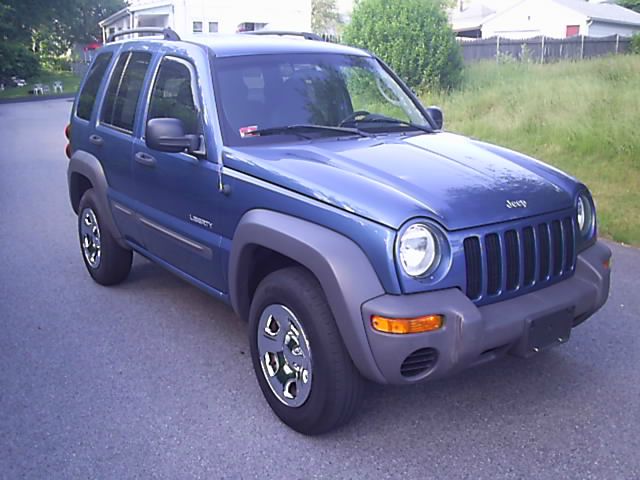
x,y
18,60
48,28
412,36
630,4
635,44
324,16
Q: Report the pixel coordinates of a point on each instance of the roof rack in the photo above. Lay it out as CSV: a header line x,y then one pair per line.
x,y
282,33
166,32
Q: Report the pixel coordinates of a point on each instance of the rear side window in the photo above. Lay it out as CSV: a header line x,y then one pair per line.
x,y
123,92
92,84
173,95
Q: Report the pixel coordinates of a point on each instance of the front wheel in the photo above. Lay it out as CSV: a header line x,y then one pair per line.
x,y
301,363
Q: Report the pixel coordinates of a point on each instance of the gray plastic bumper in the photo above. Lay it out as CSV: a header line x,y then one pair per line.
x,y
472,335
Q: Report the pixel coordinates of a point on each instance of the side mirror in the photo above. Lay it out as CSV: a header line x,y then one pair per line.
x,y
437,116
167,135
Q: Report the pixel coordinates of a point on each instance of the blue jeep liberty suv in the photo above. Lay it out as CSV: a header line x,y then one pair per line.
x,y
303,183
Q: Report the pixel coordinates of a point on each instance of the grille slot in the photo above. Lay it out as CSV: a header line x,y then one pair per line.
x,y
494,263
543,240
419,362
473,261
529,246
569,243
518,259
513,259
556,245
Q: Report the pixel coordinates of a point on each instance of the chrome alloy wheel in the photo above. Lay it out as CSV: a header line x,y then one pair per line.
x,y
285,355
90,237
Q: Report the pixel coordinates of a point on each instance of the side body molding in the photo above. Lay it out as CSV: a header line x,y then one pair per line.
x,y
87,165
341,267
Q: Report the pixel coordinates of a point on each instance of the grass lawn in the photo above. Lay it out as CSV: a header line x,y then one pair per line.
x,y
70,84
582,117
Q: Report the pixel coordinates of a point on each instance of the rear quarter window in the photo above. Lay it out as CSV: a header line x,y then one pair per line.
x,y
92,84
123,92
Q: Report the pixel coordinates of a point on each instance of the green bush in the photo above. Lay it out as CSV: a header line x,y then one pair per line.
x,y
412,36
16,59
635,44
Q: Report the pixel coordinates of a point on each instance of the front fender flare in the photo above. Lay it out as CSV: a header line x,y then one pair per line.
x,y
341,267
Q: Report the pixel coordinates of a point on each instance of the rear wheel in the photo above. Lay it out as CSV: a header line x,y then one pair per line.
x,y
107,262
301,363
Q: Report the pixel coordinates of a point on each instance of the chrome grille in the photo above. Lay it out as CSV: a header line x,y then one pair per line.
x,y
514,260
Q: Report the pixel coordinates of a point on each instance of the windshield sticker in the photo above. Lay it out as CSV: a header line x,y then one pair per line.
x,y
246,131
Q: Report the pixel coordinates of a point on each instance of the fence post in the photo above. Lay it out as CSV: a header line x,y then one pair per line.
x,y
581,47
542,51
497,48
617,42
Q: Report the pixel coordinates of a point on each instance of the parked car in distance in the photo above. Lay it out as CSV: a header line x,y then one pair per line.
x,y
304,184
18,82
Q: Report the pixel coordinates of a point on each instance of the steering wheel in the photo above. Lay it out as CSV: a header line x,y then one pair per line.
x,y
354,116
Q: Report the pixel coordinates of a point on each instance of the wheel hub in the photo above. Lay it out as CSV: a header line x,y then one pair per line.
x,y
90,237
285,355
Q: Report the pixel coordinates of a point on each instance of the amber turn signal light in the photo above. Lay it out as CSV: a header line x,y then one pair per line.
x,y
402,326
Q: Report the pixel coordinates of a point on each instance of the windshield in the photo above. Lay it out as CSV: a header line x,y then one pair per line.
x,y
267,92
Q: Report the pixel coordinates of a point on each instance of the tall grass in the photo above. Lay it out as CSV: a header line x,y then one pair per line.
x,y
583,117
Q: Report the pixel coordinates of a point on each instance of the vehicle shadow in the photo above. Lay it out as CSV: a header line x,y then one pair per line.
x,y
507,390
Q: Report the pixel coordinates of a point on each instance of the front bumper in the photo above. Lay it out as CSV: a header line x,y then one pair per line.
x,y
472,335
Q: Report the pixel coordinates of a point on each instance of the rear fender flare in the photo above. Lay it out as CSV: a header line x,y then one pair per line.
x,y
87,165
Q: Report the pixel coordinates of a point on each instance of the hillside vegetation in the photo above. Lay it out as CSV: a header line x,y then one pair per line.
x,y
582,117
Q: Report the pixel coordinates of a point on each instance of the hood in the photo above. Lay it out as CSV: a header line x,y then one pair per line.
x,y
454,180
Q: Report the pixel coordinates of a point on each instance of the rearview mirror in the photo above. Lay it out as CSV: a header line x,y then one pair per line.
x,y
437,116
167,135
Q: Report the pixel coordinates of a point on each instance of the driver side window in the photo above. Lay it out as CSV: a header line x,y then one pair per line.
x,y
173,95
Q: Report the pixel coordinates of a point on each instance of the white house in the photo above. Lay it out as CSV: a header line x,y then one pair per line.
x,y
200,17
561,19
469,21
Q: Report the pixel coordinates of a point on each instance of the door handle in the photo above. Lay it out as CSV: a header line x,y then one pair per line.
x,y
96,140
145,159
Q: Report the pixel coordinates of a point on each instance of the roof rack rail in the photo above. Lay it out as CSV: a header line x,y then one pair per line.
x,y
166,32
282,33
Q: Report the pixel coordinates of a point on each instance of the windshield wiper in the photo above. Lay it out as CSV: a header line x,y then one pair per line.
x,y
375,118
298,129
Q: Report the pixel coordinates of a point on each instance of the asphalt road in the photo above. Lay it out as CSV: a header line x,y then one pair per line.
x,y
151,379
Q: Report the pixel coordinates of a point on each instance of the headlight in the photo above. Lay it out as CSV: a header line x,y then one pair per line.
x,y
419,250
585,215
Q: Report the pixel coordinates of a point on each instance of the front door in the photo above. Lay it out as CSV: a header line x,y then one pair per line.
x,y
178,192
112,138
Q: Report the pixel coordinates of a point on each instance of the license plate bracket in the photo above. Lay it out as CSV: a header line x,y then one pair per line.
x,y
549,330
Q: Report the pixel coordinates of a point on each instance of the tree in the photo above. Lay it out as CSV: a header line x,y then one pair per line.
x,y
630,4
324,16
81,18
47,28
412,36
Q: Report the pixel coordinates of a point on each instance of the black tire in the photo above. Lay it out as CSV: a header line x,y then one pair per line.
x,y
114,262
336,386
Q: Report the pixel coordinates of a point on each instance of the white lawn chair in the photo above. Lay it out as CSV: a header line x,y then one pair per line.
x,y
45,89
37,89
57,87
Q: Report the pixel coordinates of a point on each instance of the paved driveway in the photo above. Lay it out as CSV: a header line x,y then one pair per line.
x,y
152,378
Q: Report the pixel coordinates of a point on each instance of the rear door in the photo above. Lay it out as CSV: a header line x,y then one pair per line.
x,y
113,135
178,192
83,120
